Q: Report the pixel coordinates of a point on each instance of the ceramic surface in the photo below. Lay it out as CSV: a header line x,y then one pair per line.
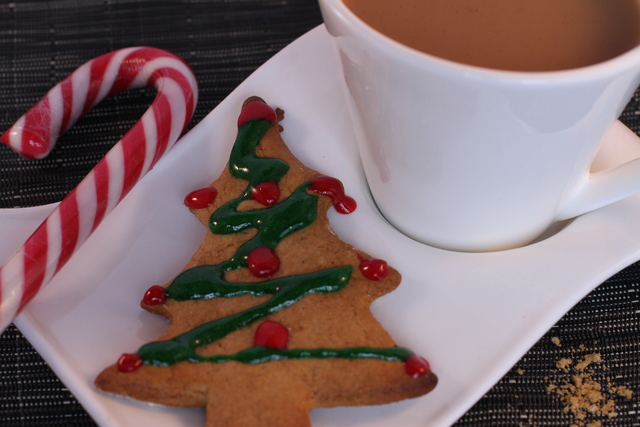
x,y
474,159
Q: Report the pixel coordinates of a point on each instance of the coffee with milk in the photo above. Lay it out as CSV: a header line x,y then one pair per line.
x,y
519,35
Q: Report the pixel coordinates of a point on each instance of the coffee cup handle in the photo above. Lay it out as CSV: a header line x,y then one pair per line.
x,y
605,187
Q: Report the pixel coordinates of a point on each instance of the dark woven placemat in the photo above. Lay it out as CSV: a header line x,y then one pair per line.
x,y
224,41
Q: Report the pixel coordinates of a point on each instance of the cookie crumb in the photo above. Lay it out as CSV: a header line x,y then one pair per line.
x,y
587,360
564,364
556,341
583,396
621,391
520,371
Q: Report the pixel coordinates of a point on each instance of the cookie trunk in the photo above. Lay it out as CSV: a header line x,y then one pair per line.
x,y
286,403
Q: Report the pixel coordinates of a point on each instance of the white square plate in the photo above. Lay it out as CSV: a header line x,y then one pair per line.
x,y
471,315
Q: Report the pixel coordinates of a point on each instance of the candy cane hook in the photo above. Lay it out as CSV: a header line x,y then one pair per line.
x,y
34,136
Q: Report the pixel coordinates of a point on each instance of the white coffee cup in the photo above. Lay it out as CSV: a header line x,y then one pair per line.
x,y
474,159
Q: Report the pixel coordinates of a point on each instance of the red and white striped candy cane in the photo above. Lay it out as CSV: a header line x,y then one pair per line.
x,y
35,133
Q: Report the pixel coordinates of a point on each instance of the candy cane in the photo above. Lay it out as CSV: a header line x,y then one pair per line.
x,y
34,136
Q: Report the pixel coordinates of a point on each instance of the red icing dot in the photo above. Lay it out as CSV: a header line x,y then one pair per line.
x,y
416,366
155,295
263,262
129,362
272,335
266,193
374,269
200,199
257,110
333,188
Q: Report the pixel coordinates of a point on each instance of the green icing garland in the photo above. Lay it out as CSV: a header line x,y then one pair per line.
x,y
273,223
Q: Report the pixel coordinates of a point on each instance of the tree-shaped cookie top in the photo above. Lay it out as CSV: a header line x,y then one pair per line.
x,y
268,226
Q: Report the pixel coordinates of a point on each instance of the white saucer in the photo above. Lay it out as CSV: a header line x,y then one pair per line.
x,y
471,315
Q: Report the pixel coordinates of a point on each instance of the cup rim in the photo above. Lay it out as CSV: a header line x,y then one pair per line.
x,y
625,61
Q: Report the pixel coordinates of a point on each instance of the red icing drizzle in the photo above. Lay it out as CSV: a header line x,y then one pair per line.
x,y
202,198
373,269
416,366
266,193
333,188
263,262
272,335
155,295
257,110
129,362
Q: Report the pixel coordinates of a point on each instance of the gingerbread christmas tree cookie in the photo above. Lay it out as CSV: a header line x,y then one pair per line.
x,y
270,318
